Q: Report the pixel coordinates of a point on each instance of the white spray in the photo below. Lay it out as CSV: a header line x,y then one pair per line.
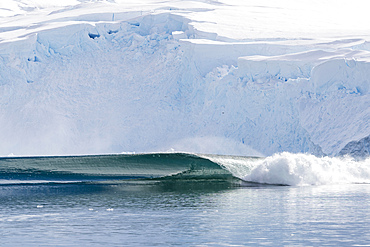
x,y
297,169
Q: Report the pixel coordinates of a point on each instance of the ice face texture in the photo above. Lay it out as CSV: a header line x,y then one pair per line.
x,y
252,78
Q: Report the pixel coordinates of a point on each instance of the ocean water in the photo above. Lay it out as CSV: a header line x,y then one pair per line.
x,y
180,200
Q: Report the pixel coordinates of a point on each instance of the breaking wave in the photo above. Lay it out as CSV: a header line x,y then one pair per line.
x,y
305,169
279,169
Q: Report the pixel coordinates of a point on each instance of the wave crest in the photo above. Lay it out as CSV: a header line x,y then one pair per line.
x,y
305,169
279,169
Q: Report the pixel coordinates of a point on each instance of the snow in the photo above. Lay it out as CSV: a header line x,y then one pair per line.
x,y
232,77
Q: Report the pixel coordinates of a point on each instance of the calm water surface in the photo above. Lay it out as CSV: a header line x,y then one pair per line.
x,y
184,214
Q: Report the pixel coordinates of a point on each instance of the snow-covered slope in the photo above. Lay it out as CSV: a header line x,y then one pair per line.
x,y
227,77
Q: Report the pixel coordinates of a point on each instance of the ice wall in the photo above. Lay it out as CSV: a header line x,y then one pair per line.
x,y
358,149
97,79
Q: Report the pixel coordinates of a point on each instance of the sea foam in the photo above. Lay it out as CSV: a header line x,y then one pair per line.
x,y
305,169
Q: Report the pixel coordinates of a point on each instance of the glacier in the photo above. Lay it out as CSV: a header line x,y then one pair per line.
x,y
225,77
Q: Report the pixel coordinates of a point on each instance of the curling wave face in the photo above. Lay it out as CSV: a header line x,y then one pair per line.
x,y
104,168
279,169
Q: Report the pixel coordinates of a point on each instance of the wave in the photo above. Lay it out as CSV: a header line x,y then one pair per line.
x,y
296,169
279,169
306,169
104,168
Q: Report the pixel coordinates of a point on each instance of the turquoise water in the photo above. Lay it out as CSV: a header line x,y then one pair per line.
x,y
199,206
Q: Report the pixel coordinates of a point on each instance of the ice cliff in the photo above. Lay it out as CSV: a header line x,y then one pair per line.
x,y
357,149
199,76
